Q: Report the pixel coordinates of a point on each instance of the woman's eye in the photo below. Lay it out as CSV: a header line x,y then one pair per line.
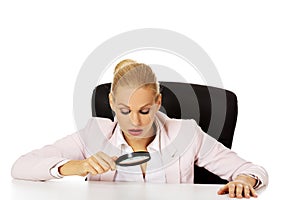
x,y
125,111
145,111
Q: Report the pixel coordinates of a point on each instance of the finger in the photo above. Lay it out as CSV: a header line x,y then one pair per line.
x,y
247,191
223,189
238,190
253,192
105,166
87,168
94,163
231,189
110,161
107,159
114,158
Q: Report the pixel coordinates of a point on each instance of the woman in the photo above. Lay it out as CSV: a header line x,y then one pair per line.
x,y
139,126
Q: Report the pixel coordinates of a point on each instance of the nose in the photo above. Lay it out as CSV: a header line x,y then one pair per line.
x,y
135,119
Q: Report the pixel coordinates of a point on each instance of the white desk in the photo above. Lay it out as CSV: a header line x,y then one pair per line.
x,y
112,191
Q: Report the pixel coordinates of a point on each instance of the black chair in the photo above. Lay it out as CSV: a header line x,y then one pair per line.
x,y
188,101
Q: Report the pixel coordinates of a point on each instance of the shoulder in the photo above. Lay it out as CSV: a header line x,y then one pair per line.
x,y
173,126
170,122
183,134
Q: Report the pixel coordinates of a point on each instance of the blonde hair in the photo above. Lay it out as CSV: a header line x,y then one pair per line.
x,y
131,74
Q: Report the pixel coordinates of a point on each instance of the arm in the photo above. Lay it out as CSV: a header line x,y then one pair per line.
x,y
67,156
36,164
98,163
225,163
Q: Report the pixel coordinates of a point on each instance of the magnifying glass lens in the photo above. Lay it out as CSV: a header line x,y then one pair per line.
x,y
134,158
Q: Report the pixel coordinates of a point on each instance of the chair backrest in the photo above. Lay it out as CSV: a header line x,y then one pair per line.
x,y
188,101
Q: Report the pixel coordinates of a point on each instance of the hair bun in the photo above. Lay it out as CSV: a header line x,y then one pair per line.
x,y
123,63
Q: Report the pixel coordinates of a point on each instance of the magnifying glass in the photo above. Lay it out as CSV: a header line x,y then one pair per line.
x,y
134,158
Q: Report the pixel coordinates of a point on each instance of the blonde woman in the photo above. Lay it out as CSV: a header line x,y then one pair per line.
x,y
139,126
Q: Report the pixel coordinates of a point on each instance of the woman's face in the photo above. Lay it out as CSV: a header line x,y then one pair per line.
x,y
135,110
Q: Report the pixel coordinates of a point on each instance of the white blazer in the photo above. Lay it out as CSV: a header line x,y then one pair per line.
x,y
182,144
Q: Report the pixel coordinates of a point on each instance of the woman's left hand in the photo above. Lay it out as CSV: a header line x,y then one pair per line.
x,y
241,187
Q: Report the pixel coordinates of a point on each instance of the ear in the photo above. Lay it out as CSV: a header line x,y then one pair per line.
x,y
111,101
158,101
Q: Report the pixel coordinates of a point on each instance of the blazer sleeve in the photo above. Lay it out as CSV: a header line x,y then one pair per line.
x,y
225,163
36,164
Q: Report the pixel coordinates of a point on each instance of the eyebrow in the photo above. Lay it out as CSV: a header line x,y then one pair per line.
x,y
121,104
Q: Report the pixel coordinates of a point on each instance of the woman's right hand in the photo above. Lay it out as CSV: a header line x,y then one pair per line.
x,y
96,164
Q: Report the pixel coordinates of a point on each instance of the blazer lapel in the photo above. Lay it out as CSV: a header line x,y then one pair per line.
x,y
169,155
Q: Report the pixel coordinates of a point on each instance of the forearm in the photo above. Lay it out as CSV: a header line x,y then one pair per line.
x,y
97,164
232,164
31,168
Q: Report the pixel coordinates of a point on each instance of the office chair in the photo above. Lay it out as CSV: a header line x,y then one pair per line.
x,y
187,101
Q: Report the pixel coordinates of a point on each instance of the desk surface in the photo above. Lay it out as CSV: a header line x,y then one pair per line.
x,y
111,190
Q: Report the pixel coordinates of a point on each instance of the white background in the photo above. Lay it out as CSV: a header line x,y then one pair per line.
x,y
255,46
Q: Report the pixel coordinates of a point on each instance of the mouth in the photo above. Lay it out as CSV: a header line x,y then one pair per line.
x,y
135,132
